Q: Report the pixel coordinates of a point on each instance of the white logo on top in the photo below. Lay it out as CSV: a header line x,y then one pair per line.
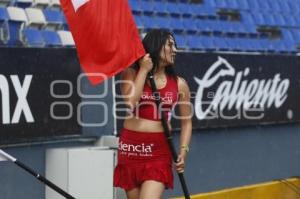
x,y
78,3
239,93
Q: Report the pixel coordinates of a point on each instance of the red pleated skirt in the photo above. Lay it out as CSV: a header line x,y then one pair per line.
x,y
141,157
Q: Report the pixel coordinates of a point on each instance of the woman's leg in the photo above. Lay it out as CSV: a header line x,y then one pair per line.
x,y
151,189
133,193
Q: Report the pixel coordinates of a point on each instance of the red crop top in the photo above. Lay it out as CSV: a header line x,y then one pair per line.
x,y
147,108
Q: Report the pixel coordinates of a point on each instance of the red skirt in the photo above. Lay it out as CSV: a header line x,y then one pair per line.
x,y
141,157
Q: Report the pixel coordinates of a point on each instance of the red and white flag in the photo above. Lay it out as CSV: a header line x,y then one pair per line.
x,y
105,35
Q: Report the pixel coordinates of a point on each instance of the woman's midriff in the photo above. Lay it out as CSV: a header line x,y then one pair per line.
x,y
144,125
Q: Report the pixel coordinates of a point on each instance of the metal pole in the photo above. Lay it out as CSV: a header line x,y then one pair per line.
x,y
168,135
36,175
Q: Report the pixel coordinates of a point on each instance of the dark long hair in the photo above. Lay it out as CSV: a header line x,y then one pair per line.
x,y
154,42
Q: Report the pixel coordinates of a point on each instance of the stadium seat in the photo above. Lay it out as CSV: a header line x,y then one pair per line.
x,y
41,3
194,43
147,7
51,38
135,7
180,41
17,22
138,21
221,44
66,38
55,4
5,3
176,25
296,35
23,3
4,30
149,23
160,8
243,4
218,3
33,38
208,43
185,10
190,25
162,22
284,6
173,10
289,20
35,17
54,18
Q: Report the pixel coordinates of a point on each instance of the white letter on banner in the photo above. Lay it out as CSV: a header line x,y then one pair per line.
x,y
78,3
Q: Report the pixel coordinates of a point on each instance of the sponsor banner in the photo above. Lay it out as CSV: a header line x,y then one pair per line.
x,y
238,89
38,94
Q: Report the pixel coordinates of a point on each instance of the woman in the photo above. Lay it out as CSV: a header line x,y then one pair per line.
x,y
144,167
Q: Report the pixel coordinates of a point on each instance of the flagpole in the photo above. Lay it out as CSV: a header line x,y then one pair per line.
x,y
36,175
168,135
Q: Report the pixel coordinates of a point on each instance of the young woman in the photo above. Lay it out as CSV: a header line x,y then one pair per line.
x,y
144,167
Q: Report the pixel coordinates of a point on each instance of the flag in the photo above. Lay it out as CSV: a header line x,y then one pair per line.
x,y
105,35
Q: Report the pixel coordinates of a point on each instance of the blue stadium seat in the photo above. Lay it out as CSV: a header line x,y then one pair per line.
x,y
233,44
176,25
204,12
284,6
135,6
274,6
279,20
190,25
23,3
51,38
221,44
243,4
249,45
204,27
290,20
138,21
180,41
194,43
173,9
54,18
149,22
33,38
162,22
219,3
233,4
296,35
217,27
207,43
4,30
147,7
247,18
160,8
185,10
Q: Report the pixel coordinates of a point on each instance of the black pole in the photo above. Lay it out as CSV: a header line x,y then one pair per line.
x,y
44,180
167,134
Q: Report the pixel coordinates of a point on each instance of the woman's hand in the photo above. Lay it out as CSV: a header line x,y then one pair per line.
x,y
146,63
180,164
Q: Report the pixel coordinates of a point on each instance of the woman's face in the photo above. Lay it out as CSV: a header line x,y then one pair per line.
x,y
168,52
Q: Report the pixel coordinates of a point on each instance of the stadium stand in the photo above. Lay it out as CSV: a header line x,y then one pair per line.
x,y
269,26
